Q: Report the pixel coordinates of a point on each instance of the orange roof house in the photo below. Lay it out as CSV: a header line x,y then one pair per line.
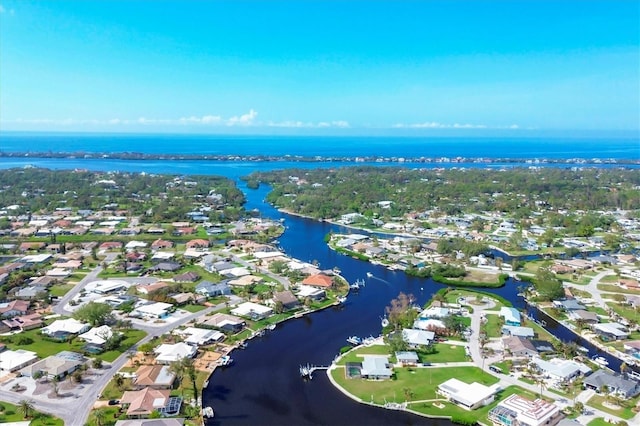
x,y
145,401
318,280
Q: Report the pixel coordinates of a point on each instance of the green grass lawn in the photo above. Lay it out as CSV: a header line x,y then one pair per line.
x,y
625,311
599,421
616,289
418,385
493,326
59,290
193,308
45,347
10,413
445,353
355,355
462,415
624,413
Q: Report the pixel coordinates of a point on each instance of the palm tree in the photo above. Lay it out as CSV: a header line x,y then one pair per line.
x,y
119,381
540,382
54,384
26,408
623,369
178,368
99,416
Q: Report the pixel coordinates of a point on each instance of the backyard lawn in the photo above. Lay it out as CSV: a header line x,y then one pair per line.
x,y
10,413
59,290
493,326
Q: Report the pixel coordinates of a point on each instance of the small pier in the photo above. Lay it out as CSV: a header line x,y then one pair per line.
x,y
306,371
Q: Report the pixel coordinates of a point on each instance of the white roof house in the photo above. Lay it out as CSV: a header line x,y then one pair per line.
x,y
524,411
97,335
511,316
612,329
428,324
305,291
468,396
106,286
415,337
434,312
267,254
560,369
200,336
252,310
14,360
376,367
152,310
70,325
168,353
131,245
514,330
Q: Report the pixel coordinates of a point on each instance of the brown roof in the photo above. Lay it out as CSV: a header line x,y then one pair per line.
x,y
318,280
286,297
197,243
147,375
17,305
145,401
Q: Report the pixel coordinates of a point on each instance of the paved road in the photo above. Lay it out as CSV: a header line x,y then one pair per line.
x,y
592,287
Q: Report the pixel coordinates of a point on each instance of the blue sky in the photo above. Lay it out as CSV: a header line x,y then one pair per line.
x,y
320,66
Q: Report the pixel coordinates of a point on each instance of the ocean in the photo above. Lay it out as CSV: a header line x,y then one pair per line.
x,y
310,146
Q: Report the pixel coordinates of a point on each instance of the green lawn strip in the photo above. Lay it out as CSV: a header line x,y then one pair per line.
x,y
624,412
493,326
112,415
185,389
193,308
625,311
59,290
540,332
355,355
610,279
131,337
504,366
11,413
599,421
445,353
616,289
112,392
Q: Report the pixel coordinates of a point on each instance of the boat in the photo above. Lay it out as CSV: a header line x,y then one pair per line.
x,y
271,327
242,345
369,274
342,299
207,412
583,349
601,361
357,285
354,340
384,322
225,361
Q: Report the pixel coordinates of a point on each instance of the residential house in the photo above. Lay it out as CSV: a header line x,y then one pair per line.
x,y
161,244
610,331
150,288
154,377
165,267
21,323
511,316
417,338
151,422
312,293
632,348
611,383
318,280
469,396
224,322
209,289
30,292
55,366
13,308
168,353
512,330
560,370
568,305
518,346
142,403
152,310
61,329
407,358
376,367
11,361
434,312
517,410
288,300
187,277
97,336
197,244
200,336
585,316
253,311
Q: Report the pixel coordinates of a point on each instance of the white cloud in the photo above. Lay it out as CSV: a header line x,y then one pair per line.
x,y
243,120
437,125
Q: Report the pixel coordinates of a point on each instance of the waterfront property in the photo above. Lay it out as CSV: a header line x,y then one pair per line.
x,y
154,376
511,316
225,322
517,410
560,370
612,383
145,401
168,353
611,331
376,367
253,311
407,358
200,336
468,395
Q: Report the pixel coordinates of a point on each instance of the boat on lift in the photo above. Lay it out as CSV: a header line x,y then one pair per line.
x,y
601,361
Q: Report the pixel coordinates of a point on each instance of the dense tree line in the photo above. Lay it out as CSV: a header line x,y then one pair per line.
x,y
329,193
166,197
